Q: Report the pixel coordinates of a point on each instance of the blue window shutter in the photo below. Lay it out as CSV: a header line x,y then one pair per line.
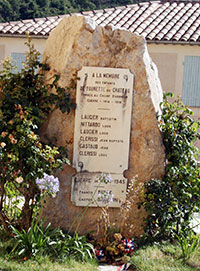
x,y
191,81
18,58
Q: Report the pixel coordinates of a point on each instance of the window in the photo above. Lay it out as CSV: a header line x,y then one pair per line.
x,y
191,81
2,55
18,58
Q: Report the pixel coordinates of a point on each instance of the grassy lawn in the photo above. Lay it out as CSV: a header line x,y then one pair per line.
x,y
164,258
41,263
38,263
45,265
151,258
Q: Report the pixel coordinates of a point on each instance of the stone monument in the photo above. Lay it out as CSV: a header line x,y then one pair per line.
x,y
113,129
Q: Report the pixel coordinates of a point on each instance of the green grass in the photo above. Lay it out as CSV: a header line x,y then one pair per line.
x,y
39,263
45,264
164,258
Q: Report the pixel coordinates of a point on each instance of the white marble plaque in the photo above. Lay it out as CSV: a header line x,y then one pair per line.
x,y
103,119
87,189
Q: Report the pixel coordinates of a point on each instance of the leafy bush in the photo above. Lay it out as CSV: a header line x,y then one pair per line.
x,y
25,102
188,243
40,240
170,202
114,238
78,247
37,240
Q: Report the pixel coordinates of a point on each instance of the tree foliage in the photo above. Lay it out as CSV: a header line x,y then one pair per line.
x,y
25,102
171,202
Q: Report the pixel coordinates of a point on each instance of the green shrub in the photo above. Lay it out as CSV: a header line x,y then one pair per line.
x,y
78,247
25,102
37,240
188,243
41,240
170,202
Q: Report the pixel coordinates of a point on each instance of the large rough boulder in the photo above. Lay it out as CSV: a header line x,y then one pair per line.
x,y
76,42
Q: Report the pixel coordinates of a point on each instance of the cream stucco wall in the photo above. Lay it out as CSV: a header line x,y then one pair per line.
x,y
169,59
10,45
170,63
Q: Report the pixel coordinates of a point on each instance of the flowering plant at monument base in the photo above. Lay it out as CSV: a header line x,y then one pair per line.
x,y
118,250
113,244
48,184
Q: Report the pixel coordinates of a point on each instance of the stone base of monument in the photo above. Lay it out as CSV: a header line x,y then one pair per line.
x,y
113,130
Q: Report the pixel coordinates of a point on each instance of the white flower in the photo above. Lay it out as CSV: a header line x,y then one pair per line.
x,y
106,196
3,144
48,183
19,179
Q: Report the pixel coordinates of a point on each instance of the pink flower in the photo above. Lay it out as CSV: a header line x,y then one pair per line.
x,y
10,122
4,134
16,172
12,139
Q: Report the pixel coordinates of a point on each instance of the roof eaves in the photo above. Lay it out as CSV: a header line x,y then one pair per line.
x,y
161,21
173,42
8,35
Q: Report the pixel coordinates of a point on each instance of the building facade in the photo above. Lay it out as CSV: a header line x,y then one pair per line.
x,y
171,29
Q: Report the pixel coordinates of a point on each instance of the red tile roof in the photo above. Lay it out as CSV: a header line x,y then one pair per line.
x,y
159,21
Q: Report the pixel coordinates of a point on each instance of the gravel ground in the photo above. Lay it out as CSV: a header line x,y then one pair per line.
x,y
108,268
